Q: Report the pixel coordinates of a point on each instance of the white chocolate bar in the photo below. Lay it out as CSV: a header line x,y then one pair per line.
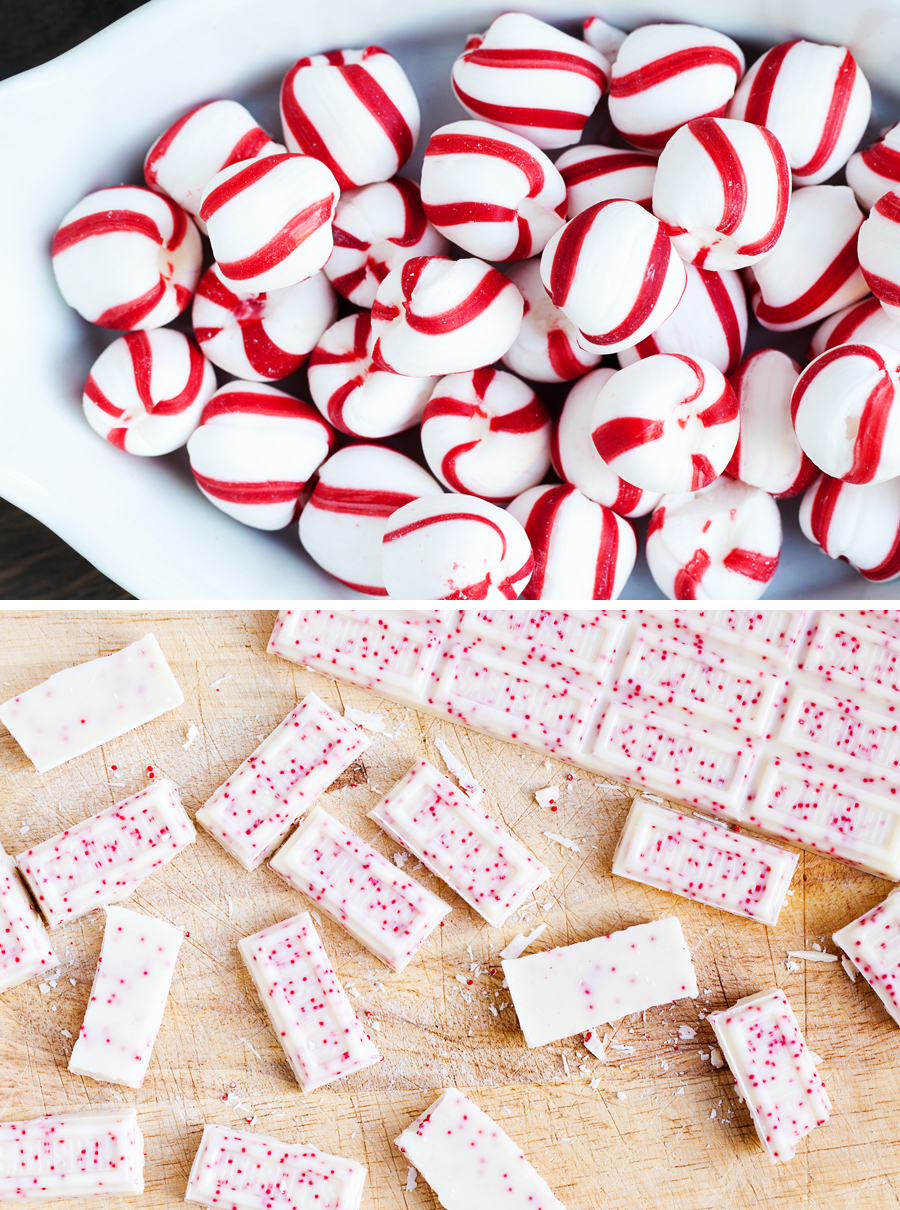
x,y
740,713
872,943
487,867
102,859
90,704
25,948
469,1162
704,860
384,909
773,1070
252,812
565,991
309,1009
245,1171
128,998
97,1153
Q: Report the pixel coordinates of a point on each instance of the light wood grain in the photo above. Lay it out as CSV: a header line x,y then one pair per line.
x,y
644,1136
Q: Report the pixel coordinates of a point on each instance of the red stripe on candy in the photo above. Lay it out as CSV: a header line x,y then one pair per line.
x,y
266,358
247,147
128,315
117,437
527,419
469,144
280,246
882,160
358,501
607,557
617,437
535,60
702,472
305,134
381,107
142,363
106,222
539,528
600,165
687,579
648,295
841,268
834,121
491,285
563,361
415,221
547,119
723,411
444,405
751,564
712,138
337,401
97,397
163,143
724,308
783,174
236,184
348,282
847,327
273,491
760,94
450,214
656,521
664,68
260,403
424,522
361,330
825,501
568,251
627,499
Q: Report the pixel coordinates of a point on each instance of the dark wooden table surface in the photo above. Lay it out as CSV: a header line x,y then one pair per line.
x,y
34,563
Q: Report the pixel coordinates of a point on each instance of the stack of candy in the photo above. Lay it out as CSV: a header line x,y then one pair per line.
x,y
398,301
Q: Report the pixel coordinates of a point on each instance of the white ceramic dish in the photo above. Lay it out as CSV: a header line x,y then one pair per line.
x,y
85,120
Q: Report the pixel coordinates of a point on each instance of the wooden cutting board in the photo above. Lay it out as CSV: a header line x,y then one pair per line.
x,y
654,1126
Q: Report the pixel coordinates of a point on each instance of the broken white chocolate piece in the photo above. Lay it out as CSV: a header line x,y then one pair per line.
x,y
565,991
384,909
309,1010
702,860
25,948
872,946
245,1171
521,942
487,867
92,703
97,1153
773,1070
252,812
102,859
469,1162
128,998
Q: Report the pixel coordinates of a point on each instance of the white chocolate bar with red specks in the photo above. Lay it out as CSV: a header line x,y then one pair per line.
x,y
96,1153
252,812
703,859
384,909
487,867
872,943
773,1070
570,989
247,1171
128,998
81,707
312,1017
781,720
469,1162
102,859
25,948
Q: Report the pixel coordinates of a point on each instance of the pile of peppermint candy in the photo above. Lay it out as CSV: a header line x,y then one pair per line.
x,y
501,271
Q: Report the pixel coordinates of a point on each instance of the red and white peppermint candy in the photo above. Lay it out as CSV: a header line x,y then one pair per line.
x,y
126,258
493,193
530,78
722,191
186,157
878,249
709,322
813,270
486,434
857,523
864,323
814,99
354,110
619,244
876,171
455,548
604,37
592,174
269,220
719,544
345,518
376,229
547,348
261,337
353,393
254,450
846,412
768,454
582,550
439,316
146,391
576,460
666,75
667,424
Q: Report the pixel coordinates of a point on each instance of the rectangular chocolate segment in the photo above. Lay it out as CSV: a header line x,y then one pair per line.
x,y
97,1153
128,998
309,1010
872,943
388,912
773,1070
486,866
252,812
565,991
102,859
247,1171
703,860
92,703
25,948
469,1162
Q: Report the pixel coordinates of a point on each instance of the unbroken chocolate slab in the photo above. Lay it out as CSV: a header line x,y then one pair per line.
x,y
96,1153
